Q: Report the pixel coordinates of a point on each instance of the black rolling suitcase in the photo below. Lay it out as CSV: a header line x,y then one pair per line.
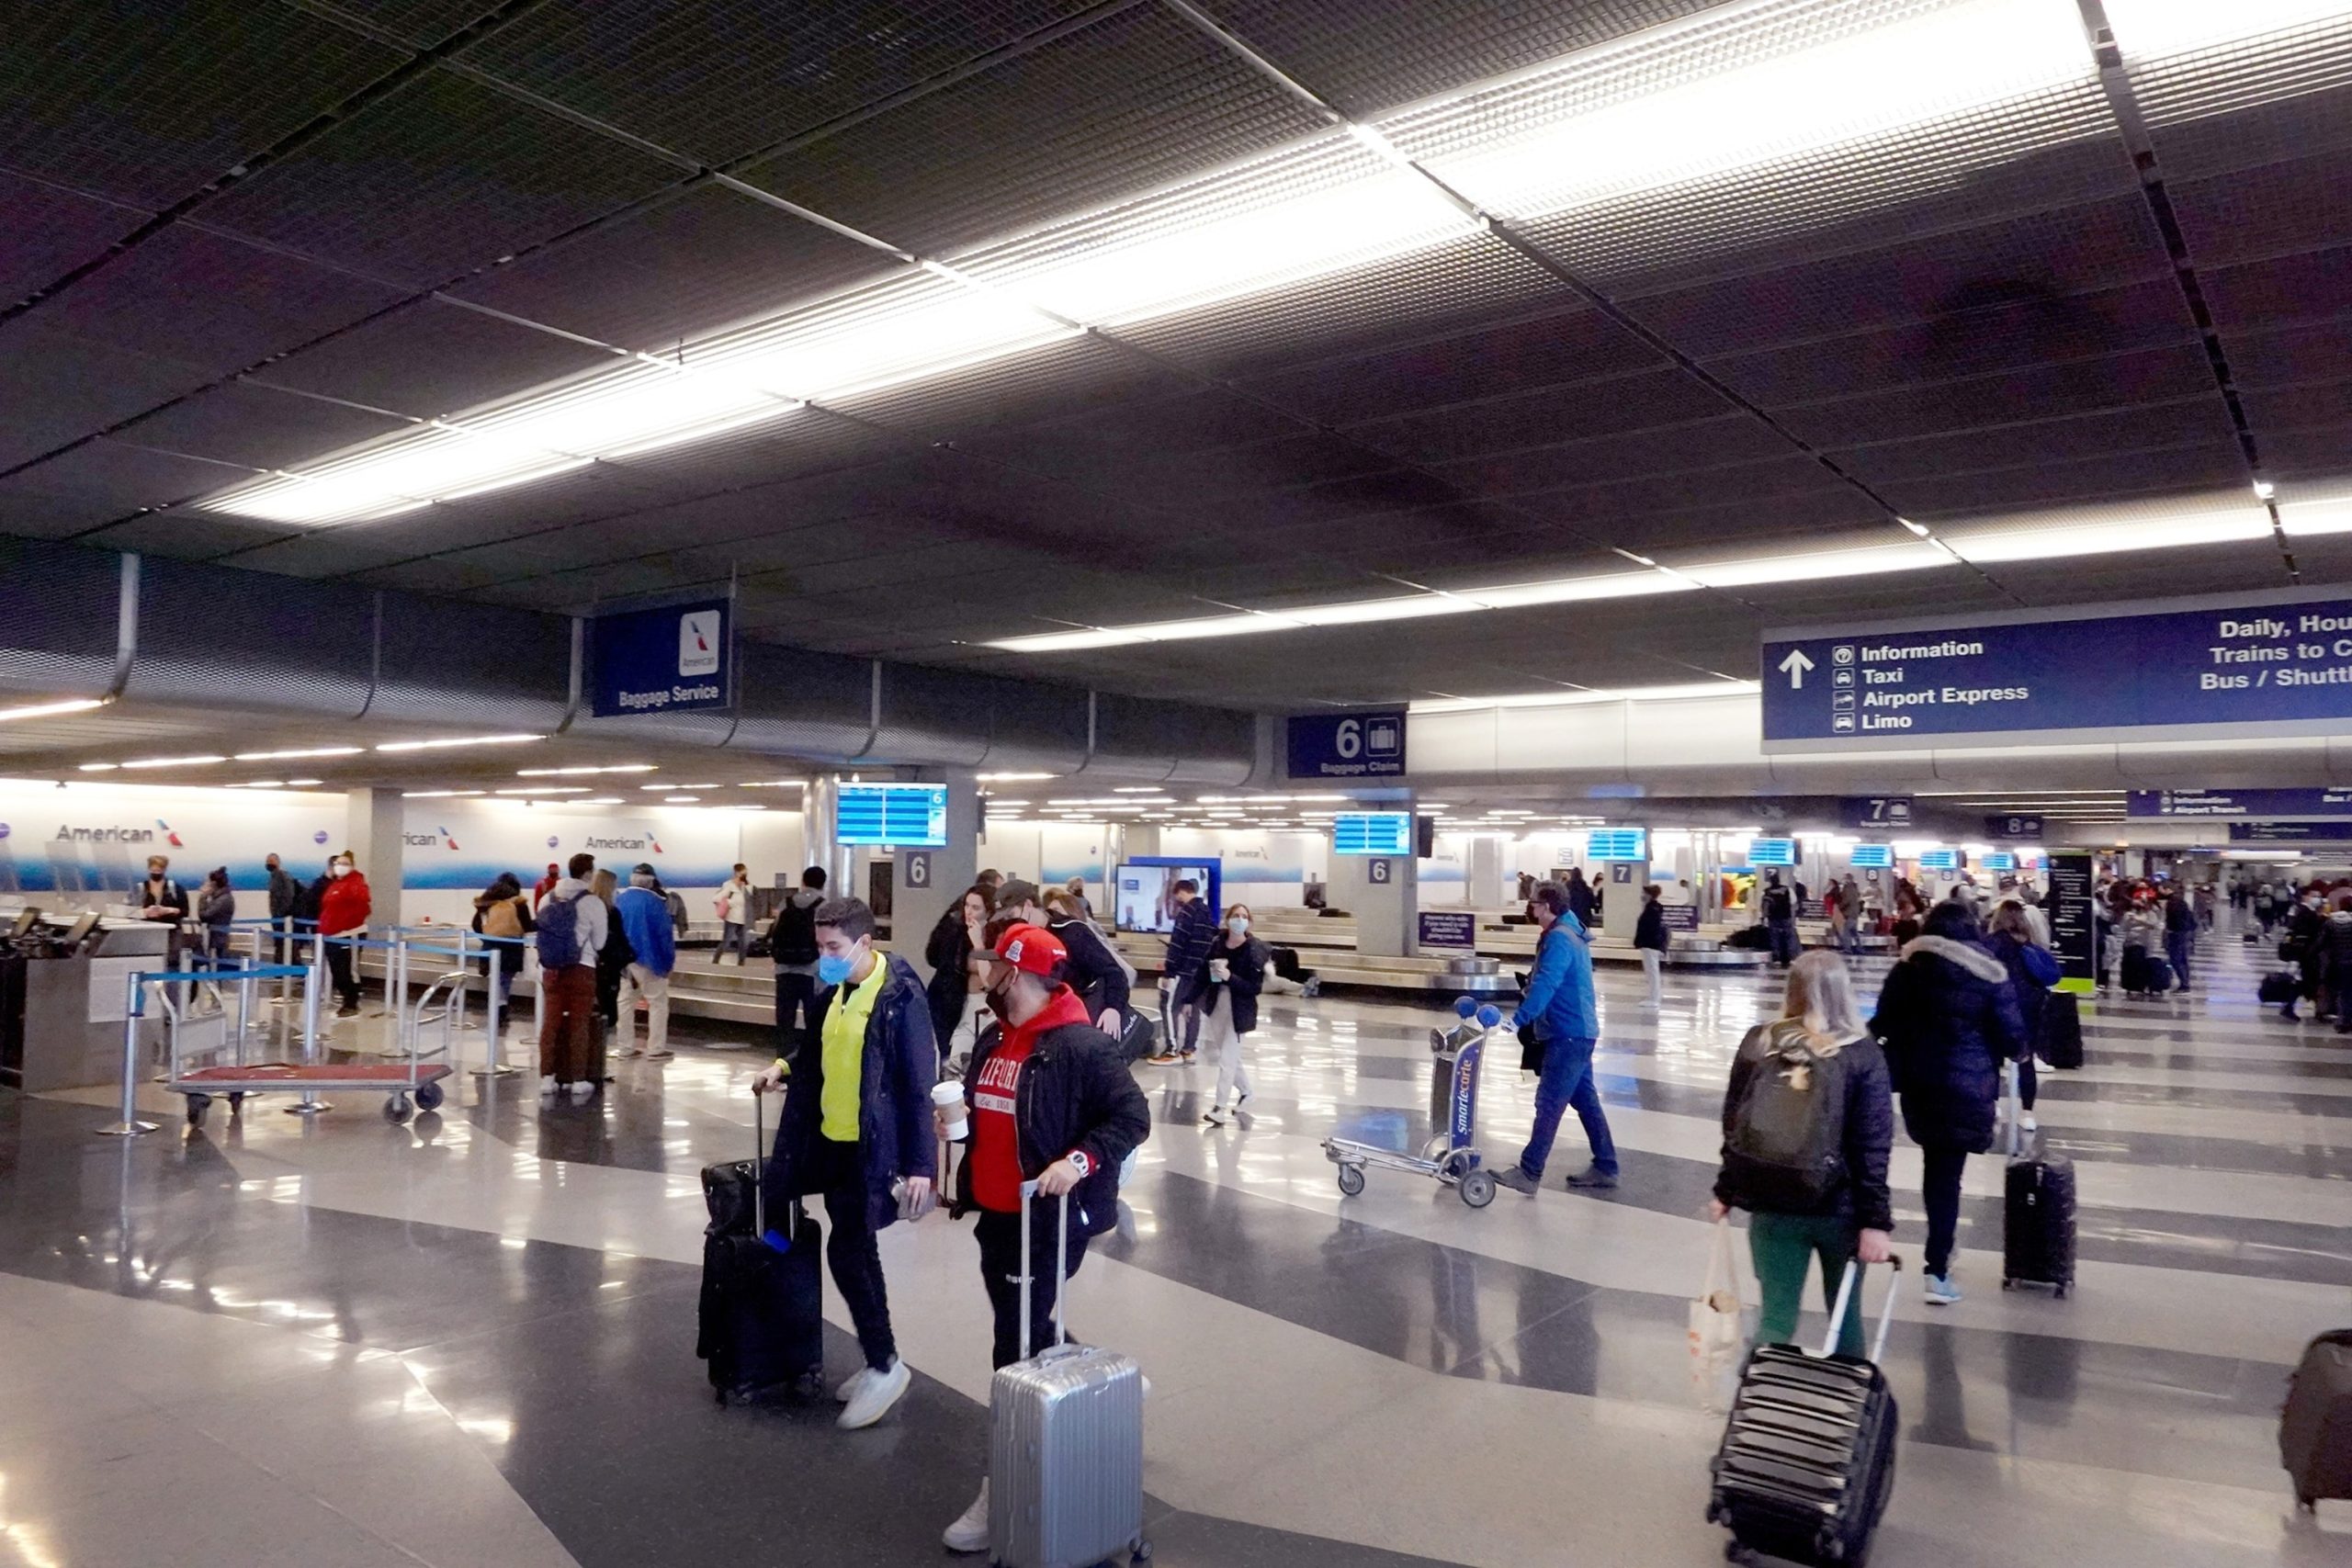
x,y
2038,1211
761,1310
1138,1037
2315,1429
1807,1460
2062,1031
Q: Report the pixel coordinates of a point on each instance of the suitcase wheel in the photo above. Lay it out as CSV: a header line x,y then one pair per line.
x,y
2007,1283
1735,1553
2061,1293
1143,1551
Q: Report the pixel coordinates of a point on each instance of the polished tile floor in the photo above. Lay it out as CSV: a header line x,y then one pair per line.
x,y
468,1339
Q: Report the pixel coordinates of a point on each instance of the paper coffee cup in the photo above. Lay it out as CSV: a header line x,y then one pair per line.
x,y
949,1098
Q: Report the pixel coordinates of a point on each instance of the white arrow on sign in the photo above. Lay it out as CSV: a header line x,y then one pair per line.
x,y
1796,664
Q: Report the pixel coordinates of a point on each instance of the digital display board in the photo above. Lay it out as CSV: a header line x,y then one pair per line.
x,y
1938,860
895,813
1617,844
1773,852
1998,859
1372,833
1873,857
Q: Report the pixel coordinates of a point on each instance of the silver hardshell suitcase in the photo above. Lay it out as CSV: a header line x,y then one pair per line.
x,y
1065,1441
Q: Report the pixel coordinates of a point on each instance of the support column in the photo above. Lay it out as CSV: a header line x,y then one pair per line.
x,y
1484,874
818,805
923,883
1620,902
373,822
1385,902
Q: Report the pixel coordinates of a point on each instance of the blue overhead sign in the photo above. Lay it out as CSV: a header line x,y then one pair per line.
x,y
2013,827
1347,746
2289,832
2262,664
674,659
2238,802
1875,811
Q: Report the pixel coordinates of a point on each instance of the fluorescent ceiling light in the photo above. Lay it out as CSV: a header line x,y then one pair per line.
x,y
1571,699
305,751
601,800
803,784
1012,778
297,783
463,740
2149,28
656,789
680,799
574,773
546,789
174,762
2304,518
100,767
1137,789
51,710
2067,535
435,794
258,783
1824,566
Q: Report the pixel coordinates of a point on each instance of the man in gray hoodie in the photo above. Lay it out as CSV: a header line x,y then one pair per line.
x,y
792,942
573,922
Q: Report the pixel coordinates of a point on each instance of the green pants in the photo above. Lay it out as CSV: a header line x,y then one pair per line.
x,y
1783,1247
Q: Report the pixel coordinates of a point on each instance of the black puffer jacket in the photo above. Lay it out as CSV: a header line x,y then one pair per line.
x,y
2336,946
1075,1093
1094,972
1948,1018
1245,968
895,1134
1868,1134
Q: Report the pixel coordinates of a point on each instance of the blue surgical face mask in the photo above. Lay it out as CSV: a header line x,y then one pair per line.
x,y
832,970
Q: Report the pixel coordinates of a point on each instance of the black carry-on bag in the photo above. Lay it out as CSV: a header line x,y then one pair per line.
x,y
2062,1031
2038,1210
761,1325
2315,1429
1807,1460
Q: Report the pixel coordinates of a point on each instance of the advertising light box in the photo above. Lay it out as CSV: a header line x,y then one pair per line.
x,y
1372,833
909,815
1617,844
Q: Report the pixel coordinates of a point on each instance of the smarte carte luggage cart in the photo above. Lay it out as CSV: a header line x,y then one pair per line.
x,y
1451,1154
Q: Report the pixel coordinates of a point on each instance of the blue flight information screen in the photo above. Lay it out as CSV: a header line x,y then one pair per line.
x,y
1999,860
1872,857
1617,844
1773,852
894,813
1938,860
1372,833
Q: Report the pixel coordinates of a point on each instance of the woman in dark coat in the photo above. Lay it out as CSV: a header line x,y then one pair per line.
x,y
1236,974
2033,970
1948,1018
955,990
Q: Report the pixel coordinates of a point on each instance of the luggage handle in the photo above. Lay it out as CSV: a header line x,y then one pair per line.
x,y
2013,1101
759,1167
1845,1292
1029,1270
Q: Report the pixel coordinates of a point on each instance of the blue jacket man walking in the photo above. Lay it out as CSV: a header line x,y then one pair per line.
x,y
1559,1003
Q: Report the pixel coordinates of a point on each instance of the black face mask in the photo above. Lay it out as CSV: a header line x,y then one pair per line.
x,y
998,1002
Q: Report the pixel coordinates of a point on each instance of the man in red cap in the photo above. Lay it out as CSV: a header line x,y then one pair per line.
x,y
1051,1102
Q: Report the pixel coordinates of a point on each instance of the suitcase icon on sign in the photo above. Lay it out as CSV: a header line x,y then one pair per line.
x,y
1383,738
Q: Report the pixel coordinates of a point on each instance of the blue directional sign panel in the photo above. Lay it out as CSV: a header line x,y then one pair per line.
x,y
1347,746
2013,827
2289,832
2259,665
673,660
2238,802
1879,811
1372,833
1773,852
899,813
1872,857
1617,844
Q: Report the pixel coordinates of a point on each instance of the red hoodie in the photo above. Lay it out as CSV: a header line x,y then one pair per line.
x,y
344,904
996,1139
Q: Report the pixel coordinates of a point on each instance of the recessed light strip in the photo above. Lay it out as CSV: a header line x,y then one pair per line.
x,y
52,710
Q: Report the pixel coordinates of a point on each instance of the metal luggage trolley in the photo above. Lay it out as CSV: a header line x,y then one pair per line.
x,y
1451,1154
206,1059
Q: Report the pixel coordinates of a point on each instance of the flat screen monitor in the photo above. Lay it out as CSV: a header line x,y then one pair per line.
x,y
1773,852
1144,895
1938,860
1372,833
901,815
1872,857
1998,859
1617,844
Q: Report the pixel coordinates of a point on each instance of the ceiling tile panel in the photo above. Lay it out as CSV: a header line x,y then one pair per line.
x,y
108,98
2286,356
100,481
2198,469
442,178
1703,444
2123,380
51,230
719,79
676,269
190,534
2214,568
1135,101
432,359
1733,529
1640,401
2279,292
256,426
2276,209
2199,419
56,388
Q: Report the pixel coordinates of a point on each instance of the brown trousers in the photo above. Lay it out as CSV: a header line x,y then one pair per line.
x,y
566,1015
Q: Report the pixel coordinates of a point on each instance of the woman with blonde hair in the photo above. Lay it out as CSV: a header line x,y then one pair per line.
x,y
1808,1122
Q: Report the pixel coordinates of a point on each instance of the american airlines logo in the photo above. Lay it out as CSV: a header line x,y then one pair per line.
x,y
698,643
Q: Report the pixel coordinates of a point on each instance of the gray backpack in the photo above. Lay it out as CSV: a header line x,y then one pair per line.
x,y
1784,1150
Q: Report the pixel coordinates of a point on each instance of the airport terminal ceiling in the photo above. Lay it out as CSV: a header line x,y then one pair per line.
x,y
1270,355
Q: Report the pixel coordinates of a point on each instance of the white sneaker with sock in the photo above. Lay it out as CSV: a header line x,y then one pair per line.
x,y
846,1390
582,1090
546,1087
877,1395
970,1532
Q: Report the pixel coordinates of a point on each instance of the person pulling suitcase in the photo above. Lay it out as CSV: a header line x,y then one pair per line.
x,y
1049,1109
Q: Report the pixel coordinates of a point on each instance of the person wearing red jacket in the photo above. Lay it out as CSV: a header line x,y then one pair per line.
x,y
343,909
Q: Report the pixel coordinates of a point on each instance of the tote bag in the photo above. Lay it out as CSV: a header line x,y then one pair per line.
x,y
1718,1334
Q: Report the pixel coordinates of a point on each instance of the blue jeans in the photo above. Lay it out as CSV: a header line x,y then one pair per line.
x,y
1566,1082
2177,944
1784,941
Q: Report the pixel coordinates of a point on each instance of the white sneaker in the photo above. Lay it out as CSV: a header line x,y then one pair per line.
x,y
661,1055
634,1050
846,1390
582,1090
1218,1116
2026,1123
1941,1291
1244,1097
875,1399
546,1089
970,1532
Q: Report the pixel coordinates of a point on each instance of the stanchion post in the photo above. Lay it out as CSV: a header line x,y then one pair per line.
x,y
128,1125
311,1104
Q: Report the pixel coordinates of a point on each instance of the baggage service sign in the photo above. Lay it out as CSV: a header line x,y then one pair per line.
x,y
679,659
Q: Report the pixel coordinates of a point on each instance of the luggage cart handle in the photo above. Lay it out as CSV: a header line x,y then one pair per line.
x,y
1029,1270
759,1166
1847,1288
